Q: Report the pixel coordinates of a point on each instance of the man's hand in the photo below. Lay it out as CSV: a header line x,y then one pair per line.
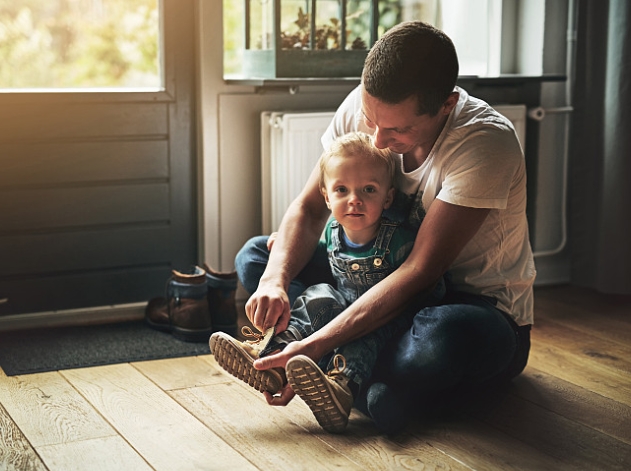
x,y
282,398
279,360
269,307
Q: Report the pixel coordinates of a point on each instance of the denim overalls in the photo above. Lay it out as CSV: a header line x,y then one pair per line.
x,y
354,276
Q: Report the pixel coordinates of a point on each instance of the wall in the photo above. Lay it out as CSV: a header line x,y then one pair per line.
x,y
550,233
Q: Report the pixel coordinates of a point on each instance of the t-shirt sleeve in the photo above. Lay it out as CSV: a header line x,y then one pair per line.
x,y
481,173
344,120
401,245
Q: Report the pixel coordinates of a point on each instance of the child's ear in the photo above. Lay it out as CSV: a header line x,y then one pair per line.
x,y
389,198
326,197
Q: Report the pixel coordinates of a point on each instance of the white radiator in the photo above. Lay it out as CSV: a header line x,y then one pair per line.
x,y
517,115
290,148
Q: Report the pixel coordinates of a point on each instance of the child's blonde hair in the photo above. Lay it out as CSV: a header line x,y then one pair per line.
x,y
358,143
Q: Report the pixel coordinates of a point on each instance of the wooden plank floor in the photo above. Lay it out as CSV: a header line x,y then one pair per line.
x,y
570,409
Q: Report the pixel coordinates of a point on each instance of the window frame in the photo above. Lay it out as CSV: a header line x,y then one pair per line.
x,y
163,94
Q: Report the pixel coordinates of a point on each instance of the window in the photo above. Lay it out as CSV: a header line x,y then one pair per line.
x,y
80,44
486,33
295,23
475,28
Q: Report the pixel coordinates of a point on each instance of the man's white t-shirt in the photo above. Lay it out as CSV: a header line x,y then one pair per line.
x,y
477,162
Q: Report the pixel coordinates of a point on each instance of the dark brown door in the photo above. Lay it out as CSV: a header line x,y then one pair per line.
x,y
98,190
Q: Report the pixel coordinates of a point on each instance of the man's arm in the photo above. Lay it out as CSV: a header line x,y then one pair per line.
x,y
293,247
444,232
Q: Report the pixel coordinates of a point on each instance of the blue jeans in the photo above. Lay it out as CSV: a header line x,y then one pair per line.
x,y
252,259
317,306
465,340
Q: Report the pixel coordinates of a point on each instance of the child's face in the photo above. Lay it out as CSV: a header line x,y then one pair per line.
x,y
357,190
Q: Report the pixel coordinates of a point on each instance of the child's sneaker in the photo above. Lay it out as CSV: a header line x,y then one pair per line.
x,y
327,395
237,358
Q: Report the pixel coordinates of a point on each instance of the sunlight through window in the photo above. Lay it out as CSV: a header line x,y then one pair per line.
x,y
80,44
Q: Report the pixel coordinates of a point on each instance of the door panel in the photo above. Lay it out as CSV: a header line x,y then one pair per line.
x,y
85,250
55,163
95,206
79,120
98,190
84,288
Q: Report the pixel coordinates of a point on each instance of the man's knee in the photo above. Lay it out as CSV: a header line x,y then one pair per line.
x,y
251,261
254,249
414,358
437,343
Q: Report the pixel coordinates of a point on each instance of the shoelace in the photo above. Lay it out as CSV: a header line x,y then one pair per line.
x,y
339,364
249,333
337,374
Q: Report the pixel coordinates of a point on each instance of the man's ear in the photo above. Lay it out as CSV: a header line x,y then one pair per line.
x,y
389,198
450,102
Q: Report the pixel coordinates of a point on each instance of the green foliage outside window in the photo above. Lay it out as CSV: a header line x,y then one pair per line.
x,y
79,44
358,23
232,36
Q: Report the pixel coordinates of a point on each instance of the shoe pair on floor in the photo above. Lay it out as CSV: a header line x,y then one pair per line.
x,y
196,305
327,394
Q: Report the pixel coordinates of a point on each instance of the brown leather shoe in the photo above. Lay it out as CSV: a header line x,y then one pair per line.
x,y
221,300
184,312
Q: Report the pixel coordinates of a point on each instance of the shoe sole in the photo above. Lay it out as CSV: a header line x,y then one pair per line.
x,y
310,383
235,360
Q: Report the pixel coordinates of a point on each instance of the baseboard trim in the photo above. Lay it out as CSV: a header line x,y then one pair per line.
x,y
83,316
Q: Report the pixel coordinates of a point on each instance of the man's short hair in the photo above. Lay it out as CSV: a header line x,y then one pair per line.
x,y
412,58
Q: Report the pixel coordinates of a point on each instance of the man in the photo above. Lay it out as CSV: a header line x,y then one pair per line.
x,y
463,168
